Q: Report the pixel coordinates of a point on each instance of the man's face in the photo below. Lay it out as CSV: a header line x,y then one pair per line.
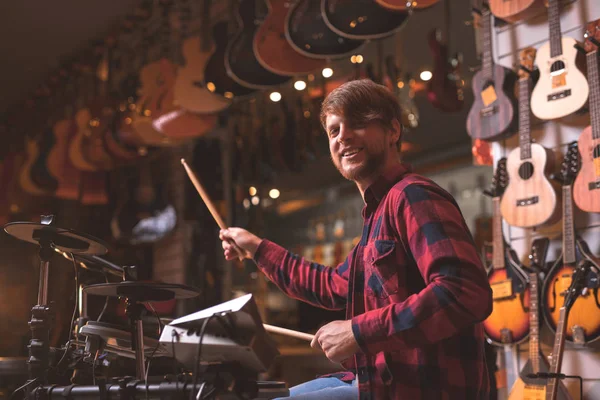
x,y
358,152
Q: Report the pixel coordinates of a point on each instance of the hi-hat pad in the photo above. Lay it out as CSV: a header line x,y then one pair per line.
x,y
143,291
66,240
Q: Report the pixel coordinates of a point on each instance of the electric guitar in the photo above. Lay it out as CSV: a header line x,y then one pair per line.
x,y
509,322
530,199
583,324
515,10
401,5
527,386
492,115
561,89
586,190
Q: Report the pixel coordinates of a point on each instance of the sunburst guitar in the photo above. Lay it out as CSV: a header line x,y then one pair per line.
x,y
530,199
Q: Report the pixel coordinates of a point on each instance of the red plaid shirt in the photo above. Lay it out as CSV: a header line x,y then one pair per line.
x,y
414,287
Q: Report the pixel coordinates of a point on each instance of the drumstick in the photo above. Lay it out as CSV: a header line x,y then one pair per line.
x,y
211,207
288,332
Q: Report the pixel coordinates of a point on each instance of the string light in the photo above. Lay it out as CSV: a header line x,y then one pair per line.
x,y
426,75
327,72
274,193
299,85
356,59
255,200
211,87
252,191
275,96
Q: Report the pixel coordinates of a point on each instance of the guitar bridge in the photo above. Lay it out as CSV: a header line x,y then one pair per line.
x,y
578,335
559,95
594,185
488,111
528,201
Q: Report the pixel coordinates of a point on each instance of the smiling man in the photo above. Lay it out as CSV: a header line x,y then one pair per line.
x,y
413,288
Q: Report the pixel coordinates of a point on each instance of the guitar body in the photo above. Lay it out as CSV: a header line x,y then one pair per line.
x,y
523,384
190,92
114,143
273,51
361,19
82,121
25,180
443,91
92,145
530,199
586,189
585,312
515,10
307,32
509,313
59,164
240,61
496,119
39,167
563,94
400,5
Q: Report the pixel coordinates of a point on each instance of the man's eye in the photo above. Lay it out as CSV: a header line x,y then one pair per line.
x,y
333,132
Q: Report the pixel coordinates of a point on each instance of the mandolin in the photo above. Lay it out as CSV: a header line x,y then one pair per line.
x,y
583,324
240,61
401,5
492,115
516,10
307,32
361,19
562,88
586,190
273,51
526,386
509,321
530,199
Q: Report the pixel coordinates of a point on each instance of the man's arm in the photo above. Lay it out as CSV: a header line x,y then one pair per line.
x,y
457,292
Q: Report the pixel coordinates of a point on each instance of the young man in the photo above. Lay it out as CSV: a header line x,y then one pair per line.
x,y
414,288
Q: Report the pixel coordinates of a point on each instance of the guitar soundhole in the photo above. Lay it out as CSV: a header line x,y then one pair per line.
x,y
526,170
597,151
557,67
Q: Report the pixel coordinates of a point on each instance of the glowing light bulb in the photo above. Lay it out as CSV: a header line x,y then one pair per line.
x,y
255,200
275,96
252,191
426,75
299,85
327,72
274,193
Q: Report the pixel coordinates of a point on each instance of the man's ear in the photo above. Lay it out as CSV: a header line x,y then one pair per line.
x,y
396,132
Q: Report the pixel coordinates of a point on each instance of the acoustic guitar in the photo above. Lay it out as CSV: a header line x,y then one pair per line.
x,y
530,199
527,386
401,5
492,115
586,190
307,32
562,88
191,92
509,321
361,19
273,51
583,324
516,10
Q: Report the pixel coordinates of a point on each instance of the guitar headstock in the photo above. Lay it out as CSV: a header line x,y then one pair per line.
x,y
526,59
539,250
592,36
570,165
499,181
577,283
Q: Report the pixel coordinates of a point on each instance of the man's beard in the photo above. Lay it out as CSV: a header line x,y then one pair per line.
x,y
371,165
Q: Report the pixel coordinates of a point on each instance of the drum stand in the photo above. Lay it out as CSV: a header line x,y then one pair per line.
x,y
134,311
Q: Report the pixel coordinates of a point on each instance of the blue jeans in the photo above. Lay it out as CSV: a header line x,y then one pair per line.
x,y
324,389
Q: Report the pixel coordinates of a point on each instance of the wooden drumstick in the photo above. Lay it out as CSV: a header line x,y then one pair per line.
x,y
211,207
289,332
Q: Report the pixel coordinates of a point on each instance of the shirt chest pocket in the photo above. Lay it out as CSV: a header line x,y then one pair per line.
x,y
381,268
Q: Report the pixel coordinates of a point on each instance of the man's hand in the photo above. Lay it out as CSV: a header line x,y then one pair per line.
x,y
336,340
245,240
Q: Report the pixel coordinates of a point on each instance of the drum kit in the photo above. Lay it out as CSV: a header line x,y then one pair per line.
x,y
93,345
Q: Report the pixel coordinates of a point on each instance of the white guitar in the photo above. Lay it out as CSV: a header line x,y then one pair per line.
x,y
562,89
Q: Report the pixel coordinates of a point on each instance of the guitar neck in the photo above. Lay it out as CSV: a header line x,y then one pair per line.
x,y
534,323
555,32
488,60
498,261
594,80
524,122
557,354
568,241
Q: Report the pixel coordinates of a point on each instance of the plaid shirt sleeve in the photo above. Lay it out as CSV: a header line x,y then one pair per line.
x,y
308,281
457,293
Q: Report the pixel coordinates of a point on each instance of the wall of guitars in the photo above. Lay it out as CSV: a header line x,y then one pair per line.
x,y
545,138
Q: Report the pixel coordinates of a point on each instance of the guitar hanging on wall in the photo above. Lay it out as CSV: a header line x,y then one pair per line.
x,y
515,10
530,199
561,89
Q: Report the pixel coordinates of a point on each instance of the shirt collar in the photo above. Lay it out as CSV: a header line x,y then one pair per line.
x,y
382,185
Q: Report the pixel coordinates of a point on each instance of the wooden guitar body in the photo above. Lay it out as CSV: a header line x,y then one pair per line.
x,y
40,175
509,314
190,91
494,119
82,121
27,184
92,145
530,199
307,32
361,19
401,5
564,93
442,91
59,164
523,384
515,10
586,189
273,51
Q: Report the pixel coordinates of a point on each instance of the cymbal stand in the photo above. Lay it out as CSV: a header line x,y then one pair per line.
x,y
134,311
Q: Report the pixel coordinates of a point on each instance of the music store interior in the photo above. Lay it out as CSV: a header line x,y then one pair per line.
x,y
134,130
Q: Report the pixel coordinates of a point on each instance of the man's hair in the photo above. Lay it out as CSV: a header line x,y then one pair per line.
x,y
361,102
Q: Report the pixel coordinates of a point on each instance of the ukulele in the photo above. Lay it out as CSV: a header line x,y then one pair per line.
x,y
240,61
583,324
530,199
401,5
190,91
273,51
509,322
307,32
562,88
492,115
527,387
586,190
578,284
515,10
361,19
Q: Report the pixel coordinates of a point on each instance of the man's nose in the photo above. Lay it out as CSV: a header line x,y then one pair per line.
x,y
345,134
